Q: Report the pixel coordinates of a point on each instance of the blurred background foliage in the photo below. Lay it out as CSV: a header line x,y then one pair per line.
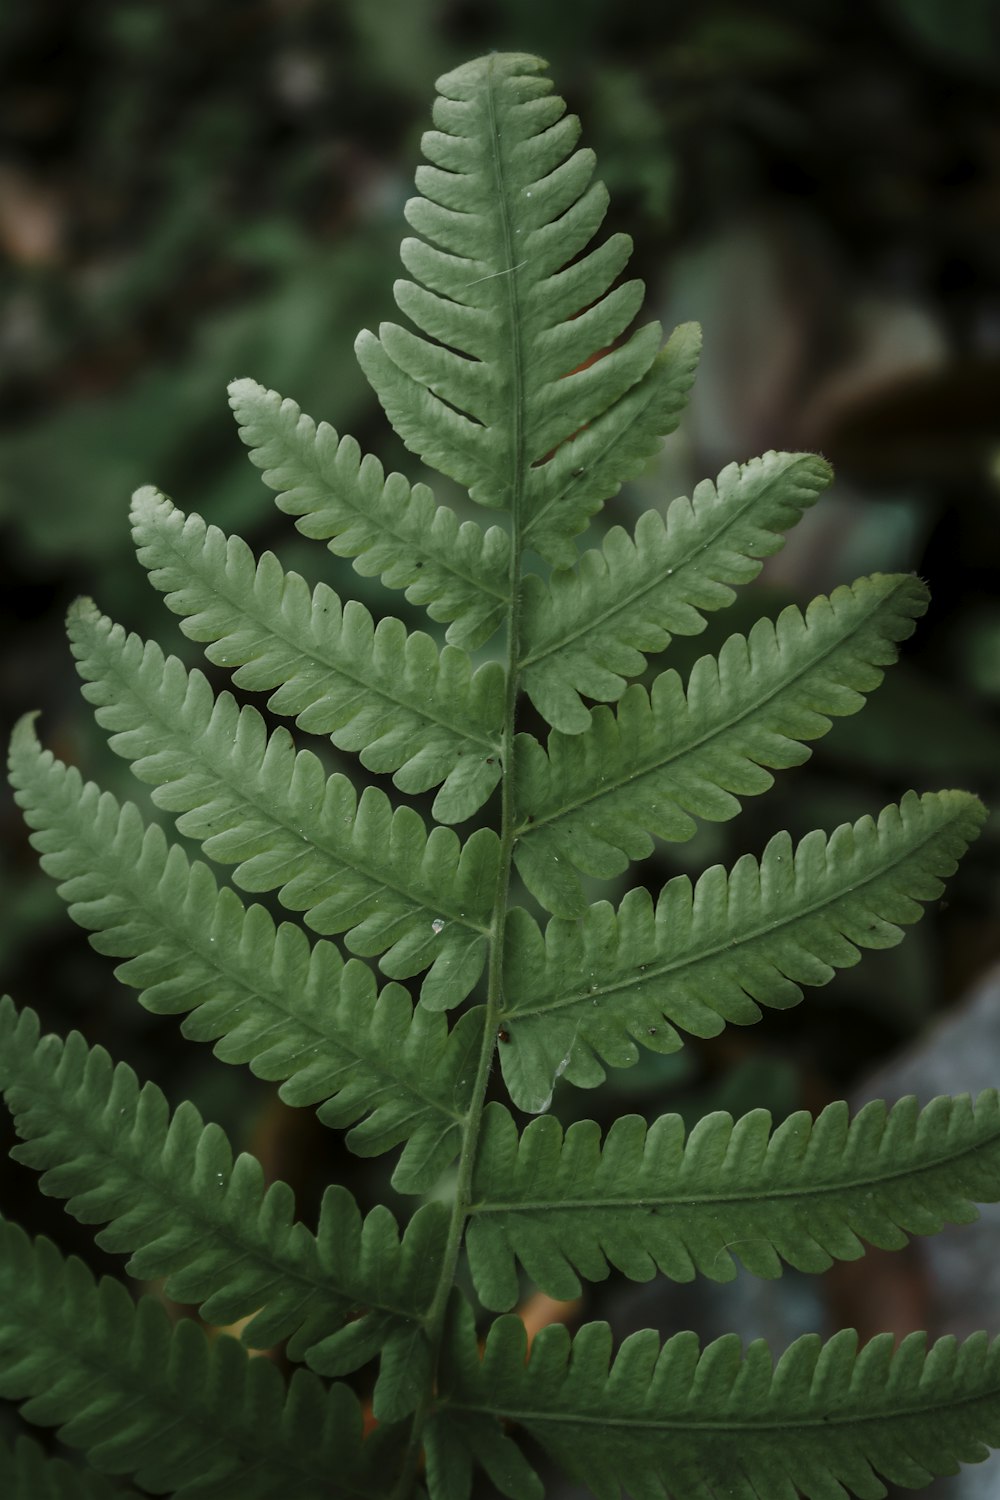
x,y
190,193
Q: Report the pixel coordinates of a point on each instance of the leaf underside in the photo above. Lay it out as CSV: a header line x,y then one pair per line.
x,y
591,992
591,802
177,1201
589,628
520,373
646,1200
387,527
678,1422
163,1403
351,864
296,1013
393,698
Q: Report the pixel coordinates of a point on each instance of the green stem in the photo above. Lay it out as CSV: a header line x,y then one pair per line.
x,y
434,1322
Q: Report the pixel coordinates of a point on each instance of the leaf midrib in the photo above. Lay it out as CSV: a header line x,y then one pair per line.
x,y
822,1422
735,1199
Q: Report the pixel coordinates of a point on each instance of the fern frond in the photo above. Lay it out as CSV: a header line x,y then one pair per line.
x,y
294,1012
166,1404
594,800
27,1472
717,952
507,375
647,1200
455,570
177,1202
394,698
679,1422
587,629
353,865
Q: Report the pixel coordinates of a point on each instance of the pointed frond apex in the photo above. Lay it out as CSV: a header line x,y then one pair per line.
x,y
388,528
681,1422
647,1200
667,756
590,992
590,627
392,696
163,1402
352,864
175,1198
295,1012
523,382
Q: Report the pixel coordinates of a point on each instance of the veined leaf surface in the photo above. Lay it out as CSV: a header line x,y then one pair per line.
x,y
386,526
391,696
522,372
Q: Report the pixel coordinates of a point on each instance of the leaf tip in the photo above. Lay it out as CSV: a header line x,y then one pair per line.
x,y
244,389
83,611
23,739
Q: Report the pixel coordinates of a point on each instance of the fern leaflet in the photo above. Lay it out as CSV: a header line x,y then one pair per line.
x,y
647,1201
616,980
593,800
293,1012
680,1422
455,569
393,698
27,1473
352,864
173,1197
589,628
163,1403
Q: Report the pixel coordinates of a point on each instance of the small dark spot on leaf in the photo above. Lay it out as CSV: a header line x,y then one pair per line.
x,y
503,1035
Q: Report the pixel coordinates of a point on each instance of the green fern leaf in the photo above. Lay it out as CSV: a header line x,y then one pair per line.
x,y
392,697
680,1423
588,629
713,954
351,864
507,375
521,373
162,1402
592,802
293,1012
566,1206
28,1473
177,1202
390,529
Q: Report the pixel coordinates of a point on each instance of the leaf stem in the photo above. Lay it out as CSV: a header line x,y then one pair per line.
x,y
434,1322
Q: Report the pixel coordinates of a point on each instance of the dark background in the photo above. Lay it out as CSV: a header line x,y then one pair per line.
x,y
190,193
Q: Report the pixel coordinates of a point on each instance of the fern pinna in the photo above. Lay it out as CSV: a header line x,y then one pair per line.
x,y
416,958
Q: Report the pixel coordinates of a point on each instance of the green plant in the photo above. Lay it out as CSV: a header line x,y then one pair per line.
x,y
506,396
